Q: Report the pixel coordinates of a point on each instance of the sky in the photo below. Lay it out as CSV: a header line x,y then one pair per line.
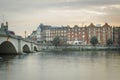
x,y
26,15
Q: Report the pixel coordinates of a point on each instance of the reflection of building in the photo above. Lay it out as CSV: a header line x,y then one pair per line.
x,y
76,34
116,35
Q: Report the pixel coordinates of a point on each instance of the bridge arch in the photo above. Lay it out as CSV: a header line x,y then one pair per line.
x,y
26,48
7,48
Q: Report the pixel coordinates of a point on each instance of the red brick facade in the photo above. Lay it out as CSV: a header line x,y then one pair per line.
x,y
84,34
116,36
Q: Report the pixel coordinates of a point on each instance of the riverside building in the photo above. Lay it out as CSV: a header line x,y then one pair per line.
x,y
78,35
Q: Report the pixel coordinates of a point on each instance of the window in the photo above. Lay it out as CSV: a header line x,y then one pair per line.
x,y
89,29
83,32
83,28
72,33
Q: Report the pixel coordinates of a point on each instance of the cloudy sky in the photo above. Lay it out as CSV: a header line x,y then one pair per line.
x,y
28,14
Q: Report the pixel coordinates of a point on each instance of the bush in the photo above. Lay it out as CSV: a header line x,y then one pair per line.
x,y
94,41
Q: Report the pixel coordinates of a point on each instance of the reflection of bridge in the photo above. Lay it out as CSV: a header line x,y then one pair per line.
x,y
16,45
12,44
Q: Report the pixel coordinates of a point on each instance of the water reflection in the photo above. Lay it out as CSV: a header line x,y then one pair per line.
x,y
86,65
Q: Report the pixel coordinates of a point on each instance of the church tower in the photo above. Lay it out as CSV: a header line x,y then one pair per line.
x,y
4,27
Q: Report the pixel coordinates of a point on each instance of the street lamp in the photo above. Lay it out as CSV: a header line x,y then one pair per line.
x,y
25,34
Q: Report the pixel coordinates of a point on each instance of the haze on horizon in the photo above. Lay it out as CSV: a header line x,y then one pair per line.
x,y
26,15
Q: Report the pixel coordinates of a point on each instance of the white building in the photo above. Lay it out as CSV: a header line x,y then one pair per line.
x,y
38,34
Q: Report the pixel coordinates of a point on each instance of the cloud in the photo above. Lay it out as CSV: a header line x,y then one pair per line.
x,y
59,12
18,5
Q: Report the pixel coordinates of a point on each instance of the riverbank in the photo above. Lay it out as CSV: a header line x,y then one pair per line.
x,y
81,48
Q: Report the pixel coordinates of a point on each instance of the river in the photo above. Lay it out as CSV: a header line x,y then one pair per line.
x,y
86,65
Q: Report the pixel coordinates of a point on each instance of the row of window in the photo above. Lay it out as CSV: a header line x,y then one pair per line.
x,y
78,29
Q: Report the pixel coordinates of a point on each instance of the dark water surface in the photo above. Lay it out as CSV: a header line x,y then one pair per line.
x,y
94,65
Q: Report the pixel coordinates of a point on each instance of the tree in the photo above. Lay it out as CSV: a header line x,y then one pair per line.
x,y
94,41
109,42
56,41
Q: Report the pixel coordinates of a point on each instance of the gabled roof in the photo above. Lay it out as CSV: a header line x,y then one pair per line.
x,y
106,25
91,25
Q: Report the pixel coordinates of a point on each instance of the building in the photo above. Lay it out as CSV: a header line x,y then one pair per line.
x,y
83,35
50,33
60,32
4,29
76,35
103,33
38,34
116,36
45,33
33,36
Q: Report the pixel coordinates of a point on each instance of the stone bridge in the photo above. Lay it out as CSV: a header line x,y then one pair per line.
x,y
11,44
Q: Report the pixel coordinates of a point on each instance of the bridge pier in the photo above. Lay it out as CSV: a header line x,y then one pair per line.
x,y
19,47
32,47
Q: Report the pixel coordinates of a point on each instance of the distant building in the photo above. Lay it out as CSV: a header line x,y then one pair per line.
x,y
75,35
4,29
60,32
33,36
38,34
116,36
103,33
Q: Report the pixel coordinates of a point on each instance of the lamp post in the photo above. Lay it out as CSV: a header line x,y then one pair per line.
x,y
25,34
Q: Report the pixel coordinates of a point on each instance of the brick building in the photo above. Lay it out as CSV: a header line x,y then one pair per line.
x,y
103,33
76,35
79,35
116,36
83,35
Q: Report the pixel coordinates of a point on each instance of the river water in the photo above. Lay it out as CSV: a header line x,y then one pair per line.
x,y
87,65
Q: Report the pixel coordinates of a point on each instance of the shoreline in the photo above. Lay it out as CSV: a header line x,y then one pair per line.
x,y
80,48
